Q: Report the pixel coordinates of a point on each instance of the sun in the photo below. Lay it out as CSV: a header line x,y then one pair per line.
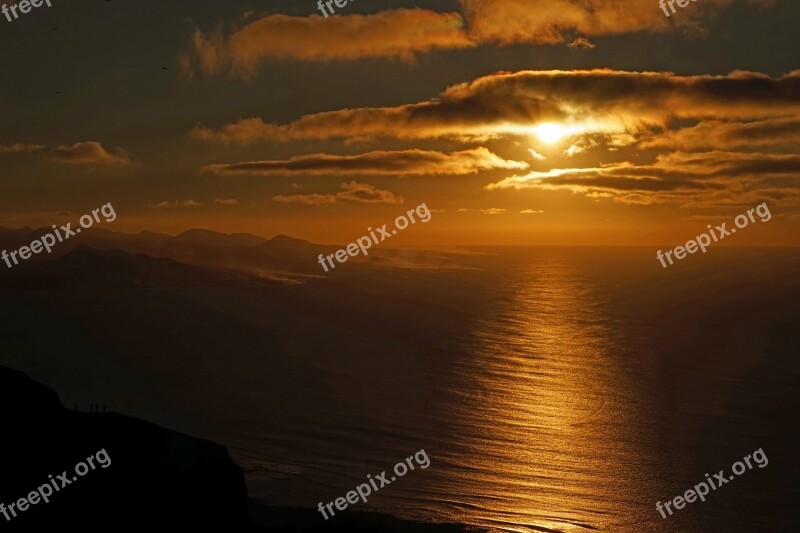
x,y
549,132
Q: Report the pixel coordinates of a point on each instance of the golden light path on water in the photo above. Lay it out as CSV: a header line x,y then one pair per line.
x,y
545,441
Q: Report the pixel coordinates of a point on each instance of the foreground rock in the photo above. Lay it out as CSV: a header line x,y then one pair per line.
x,y
156,478
145,478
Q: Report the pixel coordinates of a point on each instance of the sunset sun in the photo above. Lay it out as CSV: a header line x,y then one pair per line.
x,y
549,132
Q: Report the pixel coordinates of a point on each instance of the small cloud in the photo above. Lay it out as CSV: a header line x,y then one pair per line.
x,y
581,43
493,211
530,212
226,201
582,145
367,194
89,153
177,203
37,218
536,154
18,148
306,199
353,191
296,186
464,210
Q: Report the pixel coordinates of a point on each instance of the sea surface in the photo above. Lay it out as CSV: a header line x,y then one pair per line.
x,y
554,389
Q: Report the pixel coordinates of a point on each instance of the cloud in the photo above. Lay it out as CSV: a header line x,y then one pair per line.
x,y
574,149
18,148
177,203
88,153
353,191
226,201
493,211
508,22
404,33
37,218
717,134
382,163
506,104
399,33
685,178
582,44
306,199
530,212
536,155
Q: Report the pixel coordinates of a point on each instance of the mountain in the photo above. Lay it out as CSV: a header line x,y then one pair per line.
x,y
86,268
213,238
280,257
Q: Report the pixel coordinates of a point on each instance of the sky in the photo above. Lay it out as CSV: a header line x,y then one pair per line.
x,y
599,122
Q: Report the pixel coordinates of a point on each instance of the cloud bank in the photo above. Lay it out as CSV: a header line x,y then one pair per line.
x,y
508,104
404,33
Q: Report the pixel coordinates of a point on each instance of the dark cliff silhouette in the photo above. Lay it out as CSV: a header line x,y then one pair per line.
x,y
157,479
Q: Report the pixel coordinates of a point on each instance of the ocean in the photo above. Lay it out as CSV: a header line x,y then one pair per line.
x,y
554,389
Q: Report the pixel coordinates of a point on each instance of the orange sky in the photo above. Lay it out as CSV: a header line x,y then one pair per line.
x,y
599,123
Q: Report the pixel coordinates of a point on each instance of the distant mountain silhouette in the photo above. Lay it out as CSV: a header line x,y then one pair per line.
x,y
85,268
213,238
276,257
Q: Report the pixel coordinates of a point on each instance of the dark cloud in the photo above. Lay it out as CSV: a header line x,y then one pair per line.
x,y
397,163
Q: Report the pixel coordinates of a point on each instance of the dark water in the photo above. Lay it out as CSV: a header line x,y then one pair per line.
x,y
554,389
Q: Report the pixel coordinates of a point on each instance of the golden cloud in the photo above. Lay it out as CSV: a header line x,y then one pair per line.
x,y
20,148
400,33
403,33
177,203
686,178
717,134
510,104
89,153
353,191
226,201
